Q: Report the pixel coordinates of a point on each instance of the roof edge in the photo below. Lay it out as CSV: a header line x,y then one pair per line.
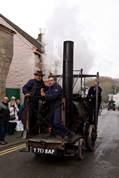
x,y
7,29
24,34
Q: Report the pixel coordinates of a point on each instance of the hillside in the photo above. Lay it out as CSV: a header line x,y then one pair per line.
x,y
109,85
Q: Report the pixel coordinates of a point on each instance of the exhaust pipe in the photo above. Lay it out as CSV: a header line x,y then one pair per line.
x,y
68,80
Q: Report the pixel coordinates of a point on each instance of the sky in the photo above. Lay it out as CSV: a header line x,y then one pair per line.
x,y
92,25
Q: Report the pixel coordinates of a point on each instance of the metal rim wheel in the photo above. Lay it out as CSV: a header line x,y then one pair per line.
x,y
80,153
91,138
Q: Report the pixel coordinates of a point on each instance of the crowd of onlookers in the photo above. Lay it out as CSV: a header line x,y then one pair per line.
x,y
9,116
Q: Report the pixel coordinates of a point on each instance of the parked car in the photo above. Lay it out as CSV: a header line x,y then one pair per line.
x,y
111,105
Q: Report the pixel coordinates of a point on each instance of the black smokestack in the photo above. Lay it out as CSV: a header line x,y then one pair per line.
x,y
68,79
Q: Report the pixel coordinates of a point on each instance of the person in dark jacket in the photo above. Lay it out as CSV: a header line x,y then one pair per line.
x,y
4,118
94,90
53,95
33,86
31,90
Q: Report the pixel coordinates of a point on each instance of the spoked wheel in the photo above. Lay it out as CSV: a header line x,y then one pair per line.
x,y
91,138
80,152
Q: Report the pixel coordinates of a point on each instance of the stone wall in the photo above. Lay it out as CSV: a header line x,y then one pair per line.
x,y
6,54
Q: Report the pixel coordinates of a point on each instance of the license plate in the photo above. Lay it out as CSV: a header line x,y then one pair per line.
x,y
43,151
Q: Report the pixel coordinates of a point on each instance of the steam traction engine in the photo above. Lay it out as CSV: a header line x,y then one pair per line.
x,y
75,115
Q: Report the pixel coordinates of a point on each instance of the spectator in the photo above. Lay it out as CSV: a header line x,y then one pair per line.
x,y
13,108
20,107
4,118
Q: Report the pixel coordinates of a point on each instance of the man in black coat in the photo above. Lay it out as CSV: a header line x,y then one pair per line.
x,y
33,86
94,90
4,118
31,90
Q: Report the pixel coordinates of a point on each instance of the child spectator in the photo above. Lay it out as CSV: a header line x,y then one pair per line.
x,y
13,108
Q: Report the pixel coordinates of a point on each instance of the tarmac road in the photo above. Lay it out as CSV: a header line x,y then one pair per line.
x,y
103,163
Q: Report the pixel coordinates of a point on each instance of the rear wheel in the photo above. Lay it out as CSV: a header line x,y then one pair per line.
x,y
91,138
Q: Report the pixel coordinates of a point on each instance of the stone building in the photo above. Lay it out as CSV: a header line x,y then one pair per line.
x,y
6,54
20,56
